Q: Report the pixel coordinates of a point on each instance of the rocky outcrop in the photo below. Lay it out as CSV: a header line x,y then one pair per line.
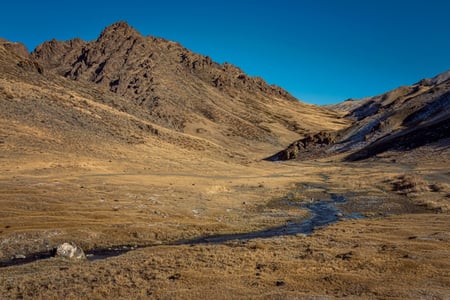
x,y
181,90
430,132
30,65
311,146
14,47
403,119
128,88
124,60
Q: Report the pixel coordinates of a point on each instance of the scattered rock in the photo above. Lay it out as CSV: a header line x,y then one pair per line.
x,y
70,251
174,277
345,256
19,256
280,283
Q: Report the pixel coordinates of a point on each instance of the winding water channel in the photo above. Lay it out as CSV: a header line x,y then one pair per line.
x,y
322,212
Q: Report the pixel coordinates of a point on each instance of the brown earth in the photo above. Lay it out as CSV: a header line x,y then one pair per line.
x,y
84,161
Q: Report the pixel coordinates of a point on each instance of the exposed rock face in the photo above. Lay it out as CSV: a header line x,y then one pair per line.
x,y
402,119
175,88
168,81
124,88
22,56
122,59
70,251
430,132
313,145
16,48
128,87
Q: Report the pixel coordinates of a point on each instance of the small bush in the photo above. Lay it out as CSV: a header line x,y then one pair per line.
x,y
406,184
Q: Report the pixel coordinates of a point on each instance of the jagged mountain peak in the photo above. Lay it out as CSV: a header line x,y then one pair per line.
x,y
168,85
119,29
435,80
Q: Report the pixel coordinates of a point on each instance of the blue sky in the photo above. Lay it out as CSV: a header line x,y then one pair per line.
x,y
322,51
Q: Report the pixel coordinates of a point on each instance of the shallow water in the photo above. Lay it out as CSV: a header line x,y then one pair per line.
x,y
323,213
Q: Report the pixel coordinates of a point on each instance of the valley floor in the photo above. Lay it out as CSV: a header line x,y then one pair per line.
x,y
400,250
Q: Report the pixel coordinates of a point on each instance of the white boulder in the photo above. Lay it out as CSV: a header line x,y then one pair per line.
x,y
70,251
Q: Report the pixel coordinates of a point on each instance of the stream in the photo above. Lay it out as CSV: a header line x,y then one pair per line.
x,y
323,212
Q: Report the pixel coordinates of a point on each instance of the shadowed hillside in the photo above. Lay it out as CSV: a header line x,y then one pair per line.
x,y
403,119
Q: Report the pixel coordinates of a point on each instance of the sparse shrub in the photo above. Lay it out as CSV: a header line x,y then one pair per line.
x,y
406,184
7,92
436,187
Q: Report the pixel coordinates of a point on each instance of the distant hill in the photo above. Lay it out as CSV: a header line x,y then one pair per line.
x,y
403,119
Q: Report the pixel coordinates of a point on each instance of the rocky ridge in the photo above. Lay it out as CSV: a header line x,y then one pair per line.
x,y
403,119
166,84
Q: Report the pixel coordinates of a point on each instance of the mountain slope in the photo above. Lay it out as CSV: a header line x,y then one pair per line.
x,y
44,115
163,83
402,119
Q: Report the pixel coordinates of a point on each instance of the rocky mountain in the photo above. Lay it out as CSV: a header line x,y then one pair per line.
x,y
128,89
164,84
403,119
41,112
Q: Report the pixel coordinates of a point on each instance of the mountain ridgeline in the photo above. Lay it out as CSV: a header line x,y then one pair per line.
x,y
170,86
128,89
403,119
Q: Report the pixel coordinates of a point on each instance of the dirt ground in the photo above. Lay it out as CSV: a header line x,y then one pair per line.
x,y
399,251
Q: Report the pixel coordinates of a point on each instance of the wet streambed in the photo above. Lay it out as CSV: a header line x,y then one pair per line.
x,y
322,213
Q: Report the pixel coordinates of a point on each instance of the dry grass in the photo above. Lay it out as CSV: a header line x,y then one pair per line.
x,y
409,184
392,259
97,203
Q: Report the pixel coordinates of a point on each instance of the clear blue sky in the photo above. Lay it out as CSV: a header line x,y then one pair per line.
x,y
322,51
